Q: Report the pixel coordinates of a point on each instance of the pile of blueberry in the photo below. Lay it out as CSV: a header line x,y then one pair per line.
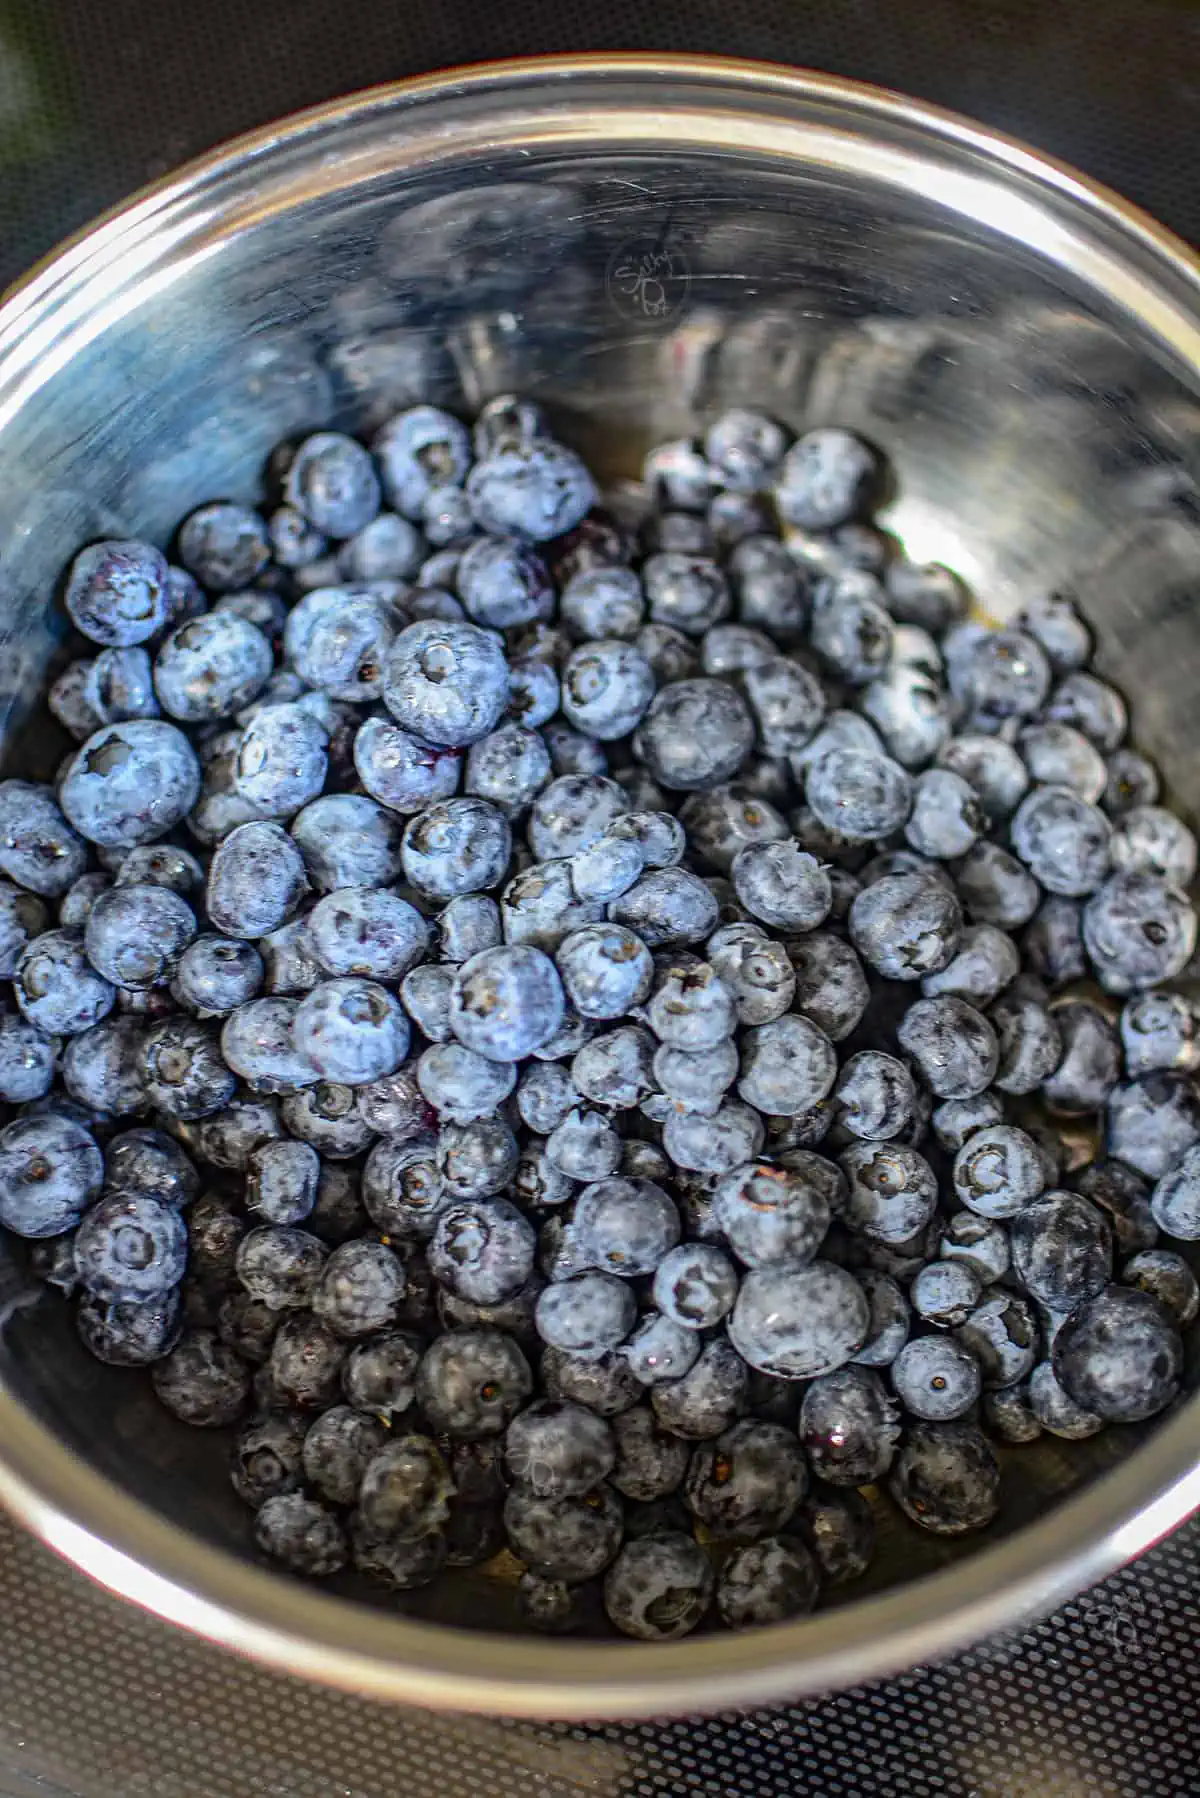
x,y
555,1019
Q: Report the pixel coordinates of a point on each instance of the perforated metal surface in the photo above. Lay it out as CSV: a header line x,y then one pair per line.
x,y
100,1701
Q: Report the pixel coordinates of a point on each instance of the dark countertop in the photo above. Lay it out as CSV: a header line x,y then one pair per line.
x,y
98,1700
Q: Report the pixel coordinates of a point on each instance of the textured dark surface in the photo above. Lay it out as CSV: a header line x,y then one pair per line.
x,y
100,1701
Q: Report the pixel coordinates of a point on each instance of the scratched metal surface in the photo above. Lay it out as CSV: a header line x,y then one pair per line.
x,y
100,1701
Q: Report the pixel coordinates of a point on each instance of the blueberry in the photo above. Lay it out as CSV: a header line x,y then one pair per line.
x,y
281,1267
472,1383
827,477
1001,1334
892,1190
462,1086
624,1226
56,987
393,1106
131,1247
998,1171
1061,1249
304,1536
246,1325
161,865
995,888
748,1482
660,1350
874,1096
389,548
379,1376
1119,1355
695,1285
667,907
136,934
1009,1415
128,1335
477,1159
425,996
1030,1042
1132,780
536,489
1138,930
128,784
467,925
282,760
202,1381
605,1384
953,1045
101,1067
773,1214
890,1319
852,632
839,1528
767,1583
559,1450
38,848
744,450
456,847
831,987
906,926
503,583
1089,705
403,1188
482,1250
400,771
397,1563
294,541
987,961
50,1170
755,970
936,1378
571,1539
1158,1030
1176,1199
211,667
1055,1410
947,818
23,918
859,794
445,682
116,592
799,1322
1062,840
1058,756
338,1448
225,546
146,1161
1090,1065
1169,1279
677,474
406,1488
586,1315
991,767
945,1478
1124,1198
508,768
267,1457
849,1427
713,1145
584,1145
650,1462
215,1232
1152,1122
571,752
695,734
281,1182
331,481
1004,674
305,1364
1150,840
788,1066
419,450
505,1002
603,603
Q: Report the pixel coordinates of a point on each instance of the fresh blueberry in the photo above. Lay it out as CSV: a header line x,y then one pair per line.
x,y
131,1247
50,1171
1119,1355
419,450
1089,705
472,1383
128,784
891,1190
945,1478
874,1096
1152,1122
280,1266
379,1375
799,1322
936,1378
849,1427
586,1315
827,477
116,592
267,1457
998,1171
202,1381
56,987
224,546
953,1045
1058,756
536,489
136,934
906,926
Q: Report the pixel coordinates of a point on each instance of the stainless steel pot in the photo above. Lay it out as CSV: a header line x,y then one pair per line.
x,y
637,241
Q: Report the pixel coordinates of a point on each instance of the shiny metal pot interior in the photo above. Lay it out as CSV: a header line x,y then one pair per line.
x,y
637,242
